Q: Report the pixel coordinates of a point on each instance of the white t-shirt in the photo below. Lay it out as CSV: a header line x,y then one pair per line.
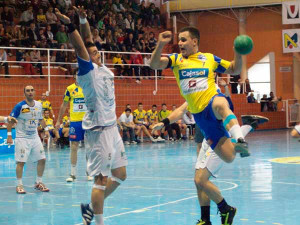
x,y
28,119
188,120
97,83
124,119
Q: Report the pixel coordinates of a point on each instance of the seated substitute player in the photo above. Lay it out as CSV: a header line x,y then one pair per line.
x,y
49,122
194,73
46,104
27,143
127,124
181,124
152,117
141,121
64,132
74,98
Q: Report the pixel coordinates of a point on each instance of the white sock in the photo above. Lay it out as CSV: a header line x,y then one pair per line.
x,y
246,129
91,206
38,180
73,170
236,132
99,219
19,182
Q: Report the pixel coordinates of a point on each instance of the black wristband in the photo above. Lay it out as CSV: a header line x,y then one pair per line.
x,y
166,122
70,27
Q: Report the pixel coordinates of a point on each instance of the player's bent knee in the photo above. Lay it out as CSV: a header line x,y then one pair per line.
x,y
120,179
229,159
101,180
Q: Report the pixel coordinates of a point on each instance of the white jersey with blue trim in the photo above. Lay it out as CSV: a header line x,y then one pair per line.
x,y
97,83
28,119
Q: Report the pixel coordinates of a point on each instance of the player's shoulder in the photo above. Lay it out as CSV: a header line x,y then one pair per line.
x,y
149,111
71,86
37,103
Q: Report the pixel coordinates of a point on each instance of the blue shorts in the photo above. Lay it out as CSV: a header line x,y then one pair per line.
x,y
212,128
51,133
60,132
76,132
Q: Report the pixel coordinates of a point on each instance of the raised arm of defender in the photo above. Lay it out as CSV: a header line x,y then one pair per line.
x,y
85,30
158,62
74,37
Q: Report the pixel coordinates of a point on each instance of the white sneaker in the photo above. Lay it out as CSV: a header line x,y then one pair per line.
x,y
160,139
133,142
152,139
126,143
90,178
71,178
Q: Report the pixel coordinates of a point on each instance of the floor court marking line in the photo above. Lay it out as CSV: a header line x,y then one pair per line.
x,y
163,204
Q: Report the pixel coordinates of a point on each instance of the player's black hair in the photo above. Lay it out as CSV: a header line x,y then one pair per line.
x,y
154,105
127,110
140,104
47,110
89,44
194,32
164,104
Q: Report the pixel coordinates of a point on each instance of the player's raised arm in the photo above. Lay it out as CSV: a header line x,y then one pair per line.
x,y
85,30
158,62
74,37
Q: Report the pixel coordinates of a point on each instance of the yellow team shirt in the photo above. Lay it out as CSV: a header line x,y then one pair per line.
x,y
117,60
49,123
195,77
46,105
140,116
152,116
74,95
163,114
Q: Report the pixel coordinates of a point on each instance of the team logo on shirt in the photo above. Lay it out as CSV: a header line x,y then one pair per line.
x,y
193,73
25,110
202,58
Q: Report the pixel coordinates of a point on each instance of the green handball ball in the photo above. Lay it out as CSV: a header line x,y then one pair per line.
x,y
243,44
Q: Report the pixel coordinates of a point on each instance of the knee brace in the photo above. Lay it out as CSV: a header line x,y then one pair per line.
x,y
116,180
99,187
228,119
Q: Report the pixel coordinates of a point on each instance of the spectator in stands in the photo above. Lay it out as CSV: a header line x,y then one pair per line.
x,y
33,34
234,81
61,36
164,113
50,37
154,15
111,43
118,7
273,101
62,58
52,19
117,60
141,121
127,70
16,36
97,39
129,42
44,4
64,5
152,41
41,18
7,17
138,60
35,57
28,67
3,36
126,120
264,101
189,120
251,98
24,41
27,17
247,85
3,58
121,22
43,39
146,68
129,22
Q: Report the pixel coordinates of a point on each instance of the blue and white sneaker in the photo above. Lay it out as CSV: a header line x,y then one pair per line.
x,y
87,214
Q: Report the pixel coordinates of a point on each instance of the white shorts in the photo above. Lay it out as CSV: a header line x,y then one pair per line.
x,y
207,158
297,128
105,151
25,147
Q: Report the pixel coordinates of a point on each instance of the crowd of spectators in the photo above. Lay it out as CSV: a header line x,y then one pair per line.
x,y
116,25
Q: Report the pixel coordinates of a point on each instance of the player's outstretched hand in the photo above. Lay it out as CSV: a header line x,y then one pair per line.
x,y
12,120
158,126
80,11
62,17
165,37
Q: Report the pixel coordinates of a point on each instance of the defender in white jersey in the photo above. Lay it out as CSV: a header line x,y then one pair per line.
x,y
27,143
104,146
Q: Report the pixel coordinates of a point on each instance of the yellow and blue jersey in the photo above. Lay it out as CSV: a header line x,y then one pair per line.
x,y
46,105
49,123
195,77
152,116
66,121
74,95
140,116
163,114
